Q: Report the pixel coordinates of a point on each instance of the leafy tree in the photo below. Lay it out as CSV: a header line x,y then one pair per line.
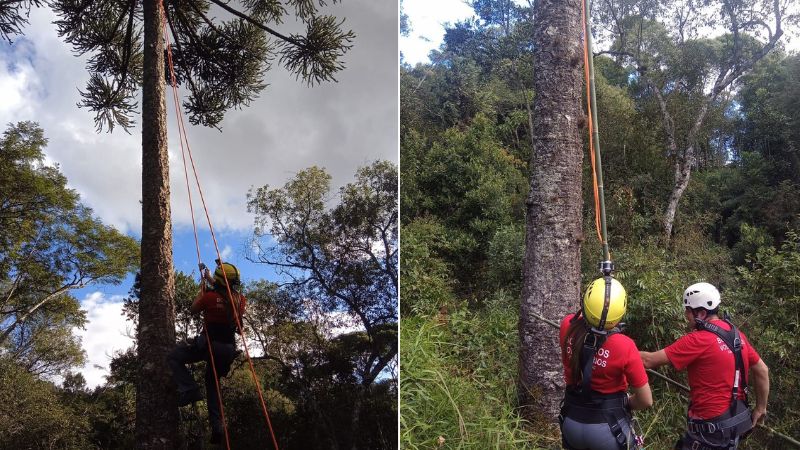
x,y
764,190
344,259
483,67
472,183
14,15
221,63
689,77
50,244
553,232
32,416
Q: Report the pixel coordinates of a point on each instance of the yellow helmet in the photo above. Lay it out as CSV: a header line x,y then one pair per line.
x,y
594,302
230,272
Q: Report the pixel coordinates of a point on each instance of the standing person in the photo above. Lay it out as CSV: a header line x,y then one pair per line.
x,y
718,358
600,364
220,321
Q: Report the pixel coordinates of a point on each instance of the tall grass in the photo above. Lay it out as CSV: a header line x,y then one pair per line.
x,y
458,382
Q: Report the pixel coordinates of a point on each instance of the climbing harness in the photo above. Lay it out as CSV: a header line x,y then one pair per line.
x,y
584,405
725,430
183,138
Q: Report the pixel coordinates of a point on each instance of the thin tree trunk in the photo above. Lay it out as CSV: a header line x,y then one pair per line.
x,y
683,173
684,161
551,271
156,413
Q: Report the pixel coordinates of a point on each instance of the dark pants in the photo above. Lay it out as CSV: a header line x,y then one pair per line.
x,y
192,352
595,436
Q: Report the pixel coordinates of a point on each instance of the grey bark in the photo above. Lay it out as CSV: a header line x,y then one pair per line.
x,y
551,268
156,412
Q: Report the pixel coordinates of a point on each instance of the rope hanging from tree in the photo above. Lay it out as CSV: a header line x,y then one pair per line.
x,y
186,149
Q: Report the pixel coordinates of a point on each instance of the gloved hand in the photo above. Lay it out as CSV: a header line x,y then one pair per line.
x,y
202,267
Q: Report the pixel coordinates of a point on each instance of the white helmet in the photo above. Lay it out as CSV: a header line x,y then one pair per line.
x,y
701,295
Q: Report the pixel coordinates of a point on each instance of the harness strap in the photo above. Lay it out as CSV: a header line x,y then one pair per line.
x,y
591,343
733,340
590,406
722,426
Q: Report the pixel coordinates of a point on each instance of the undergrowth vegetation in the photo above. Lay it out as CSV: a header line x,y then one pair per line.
x,y
458,383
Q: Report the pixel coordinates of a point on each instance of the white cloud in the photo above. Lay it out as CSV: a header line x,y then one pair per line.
x,y
427,21
106,332
19,83
290,127
226,252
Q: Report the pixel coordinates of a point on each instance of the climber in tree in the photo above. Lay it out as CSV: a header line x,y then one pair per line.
x,y
222,307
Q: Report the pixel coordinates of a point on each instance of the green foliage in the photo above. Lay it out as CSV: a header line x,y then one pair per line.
x,y
767,302
50,244
472,184
459,388
32,416
426,285
505,254
220,62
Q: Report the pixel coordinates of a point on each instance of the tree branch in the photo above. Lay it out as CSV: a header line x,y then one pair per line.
x,y
256,23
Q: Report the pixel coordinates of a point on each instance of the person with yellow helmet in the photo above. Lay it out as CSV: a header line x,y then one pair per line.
x,y
718,358
220,321
600,365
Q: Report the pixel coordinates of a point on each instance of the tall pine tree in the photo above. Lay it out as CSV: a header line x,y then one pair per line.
x,y
221,64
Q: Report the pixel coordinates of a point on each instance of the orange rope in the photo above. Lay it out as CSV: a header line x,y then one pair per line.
x,y
591,125
183,137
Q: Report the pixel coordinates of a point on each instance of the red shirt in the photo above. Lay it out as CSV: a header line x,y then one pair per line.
x,y
616,364
711,369
213,306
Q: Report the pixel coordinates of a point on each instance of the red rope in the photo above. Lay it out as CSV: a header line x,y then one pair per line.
x,y
184,138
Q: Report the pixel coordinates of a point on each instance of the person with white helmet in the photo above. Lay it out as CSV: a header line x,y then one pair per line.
x,y
220,321
600,365
719,360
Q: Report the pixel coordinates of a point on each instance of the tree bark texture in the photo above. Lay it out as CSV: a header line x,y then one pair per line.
x,y
551,268
156,412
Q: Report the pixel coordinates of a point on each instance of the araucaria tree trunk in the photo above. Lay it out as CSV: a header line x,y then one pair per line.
x,y
551,270
156,414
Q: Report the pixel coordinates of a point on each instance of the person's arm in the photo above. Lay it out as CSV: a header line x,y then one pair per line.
x,y
760,376
196,305
641,397
652,360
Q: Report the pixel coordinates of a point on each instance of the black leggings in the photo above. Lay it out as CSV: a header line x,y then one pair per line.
x,y
187,353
